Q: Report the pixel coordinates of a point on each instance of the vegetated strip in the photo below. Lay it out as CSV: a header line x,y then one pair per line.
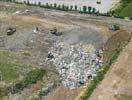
x,y
31,78
123,4
86,10
94,83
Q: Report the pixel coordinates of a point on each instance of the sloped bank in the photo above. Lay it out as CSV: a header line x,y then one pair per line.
x,y
112,49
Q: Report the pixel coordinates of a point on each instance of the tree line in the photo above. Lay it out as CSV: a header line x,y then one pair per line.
x,y
84,9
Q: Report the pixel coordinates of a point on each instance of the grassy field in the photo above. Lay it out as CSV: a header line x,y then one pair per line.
x,y
127,11
124,9
8,71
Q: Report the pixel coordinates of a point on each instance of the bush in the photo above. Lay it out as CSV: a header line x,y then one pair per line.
x,y
47,5
84,9
28,3
39,3
59,7
89,9
31,78
76,7
51,6
93,10
55,5
71,7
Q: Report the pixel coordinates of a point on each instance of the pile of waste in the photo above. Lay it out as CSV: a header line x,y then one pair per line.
x,y
76,63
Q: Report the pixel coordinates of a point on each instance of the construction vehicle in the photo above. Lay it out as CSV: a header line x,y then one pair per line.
x,y
98,2
11,31
114,27
55,32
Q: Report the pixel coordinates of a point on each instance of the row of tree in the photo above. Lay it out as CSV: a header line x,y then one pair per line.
x,y
84,9
63,7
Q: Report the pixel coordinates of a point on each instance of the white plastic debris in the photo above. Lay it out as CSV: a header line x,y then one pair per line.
x,y
75,63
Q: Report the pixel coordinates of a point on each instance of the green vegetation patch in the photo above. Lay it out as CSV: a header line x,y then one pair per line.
x,y
124,9
31,78
8,72
34,75
123,97
127,11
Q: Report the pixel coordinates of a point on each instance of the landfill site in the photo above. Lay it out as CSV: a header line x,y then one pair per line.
x,y
71,47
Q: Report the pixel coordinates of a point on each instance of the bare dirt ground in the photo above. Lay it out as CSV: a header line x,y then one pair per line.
x,y
37,45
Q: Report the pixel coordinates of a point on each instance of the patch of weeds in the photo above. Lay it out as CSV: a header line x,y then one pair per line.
x,y
31,78
8,71
26,53
123,97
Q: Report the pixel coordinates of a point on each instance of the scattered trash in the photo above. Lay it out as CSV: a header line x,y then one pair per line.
x,y
18,12
75,64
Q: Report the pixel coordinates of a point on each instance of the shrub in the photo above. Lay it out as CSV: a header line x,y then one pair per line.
x,y
76,7
28,3
93,10
67,8
31,78
63,7
55,5
39,3
47,5
84,9
71,7
59,7
51,6
24,2
89,9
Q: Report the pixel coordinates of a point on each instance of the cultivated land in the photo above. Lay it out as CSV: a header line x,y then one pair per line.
x,y
25,50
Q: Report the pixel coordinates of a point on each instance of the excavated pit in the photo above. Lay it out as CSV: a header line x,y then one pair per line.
x,y
77,55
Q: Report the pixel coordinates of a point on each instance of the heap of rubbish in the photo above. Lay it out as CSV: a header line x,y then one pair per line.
x,y
76,63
